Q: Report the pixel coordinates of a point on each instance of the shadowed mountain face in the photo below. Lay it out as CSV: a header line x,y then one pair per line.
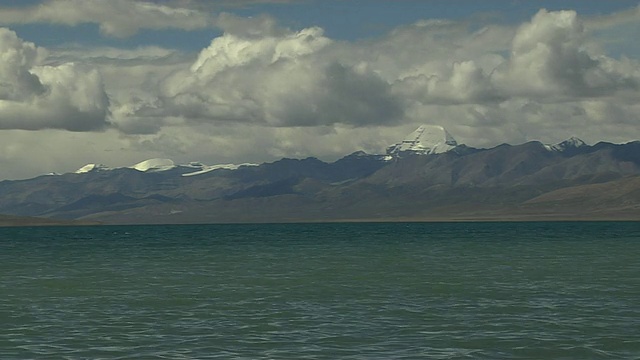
x,y
570,180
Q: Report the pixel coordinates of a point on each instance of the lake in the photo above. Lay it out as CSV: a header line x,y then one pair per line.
x,y
537,290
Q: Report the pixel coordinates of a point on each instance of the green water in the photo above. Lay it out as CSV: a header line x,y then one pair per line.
x,y
322,291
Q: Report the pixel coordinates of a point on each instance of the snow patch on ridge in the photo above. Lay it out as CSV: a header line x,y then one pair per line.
x,y
427,139
158,165
154,165
92,167
209,168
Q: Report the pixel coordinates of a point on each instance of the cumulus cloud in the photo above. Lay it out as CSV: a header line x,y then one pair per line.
x,y
464,83
489,83
33,96
549,58
260,92
17,58
284,80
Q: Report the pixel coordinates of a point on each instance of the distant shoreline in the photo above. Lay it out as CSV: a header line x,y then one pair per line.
x,y
38,222
22,221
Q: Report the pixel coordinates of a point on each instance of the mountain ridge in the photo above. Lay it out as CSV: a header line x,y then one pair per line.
x,y
452,182
425,140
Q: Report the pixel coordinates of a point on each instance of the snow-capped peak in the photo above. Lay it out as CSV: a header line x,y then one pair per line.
x,y
154,165
92,167
158,165
571,143
427,139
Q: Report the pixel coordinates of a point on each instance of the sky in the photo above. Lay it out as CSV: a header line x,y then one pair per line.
x,y
117,82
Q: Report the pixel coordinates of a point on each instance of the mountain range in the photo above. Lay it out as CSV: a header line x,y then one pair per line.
x,y
428,176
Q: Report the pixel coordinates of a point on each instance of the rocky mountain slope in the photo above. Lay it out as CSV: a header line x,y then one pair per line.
x,y
427,176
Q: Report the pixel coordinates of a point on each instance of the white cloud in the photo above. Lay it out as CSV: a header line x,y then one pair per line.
x,y
34,97
260,92
550,59
464,83
119,18
489,84
285,80
17,58
124,18
131,77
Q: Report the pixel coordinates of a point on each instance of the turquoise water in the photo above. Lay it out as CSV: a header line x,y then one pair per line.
x,y
322,291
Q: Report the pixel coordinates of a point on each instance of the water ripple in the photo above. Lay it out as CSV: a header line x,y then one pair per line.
x,y
352,291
